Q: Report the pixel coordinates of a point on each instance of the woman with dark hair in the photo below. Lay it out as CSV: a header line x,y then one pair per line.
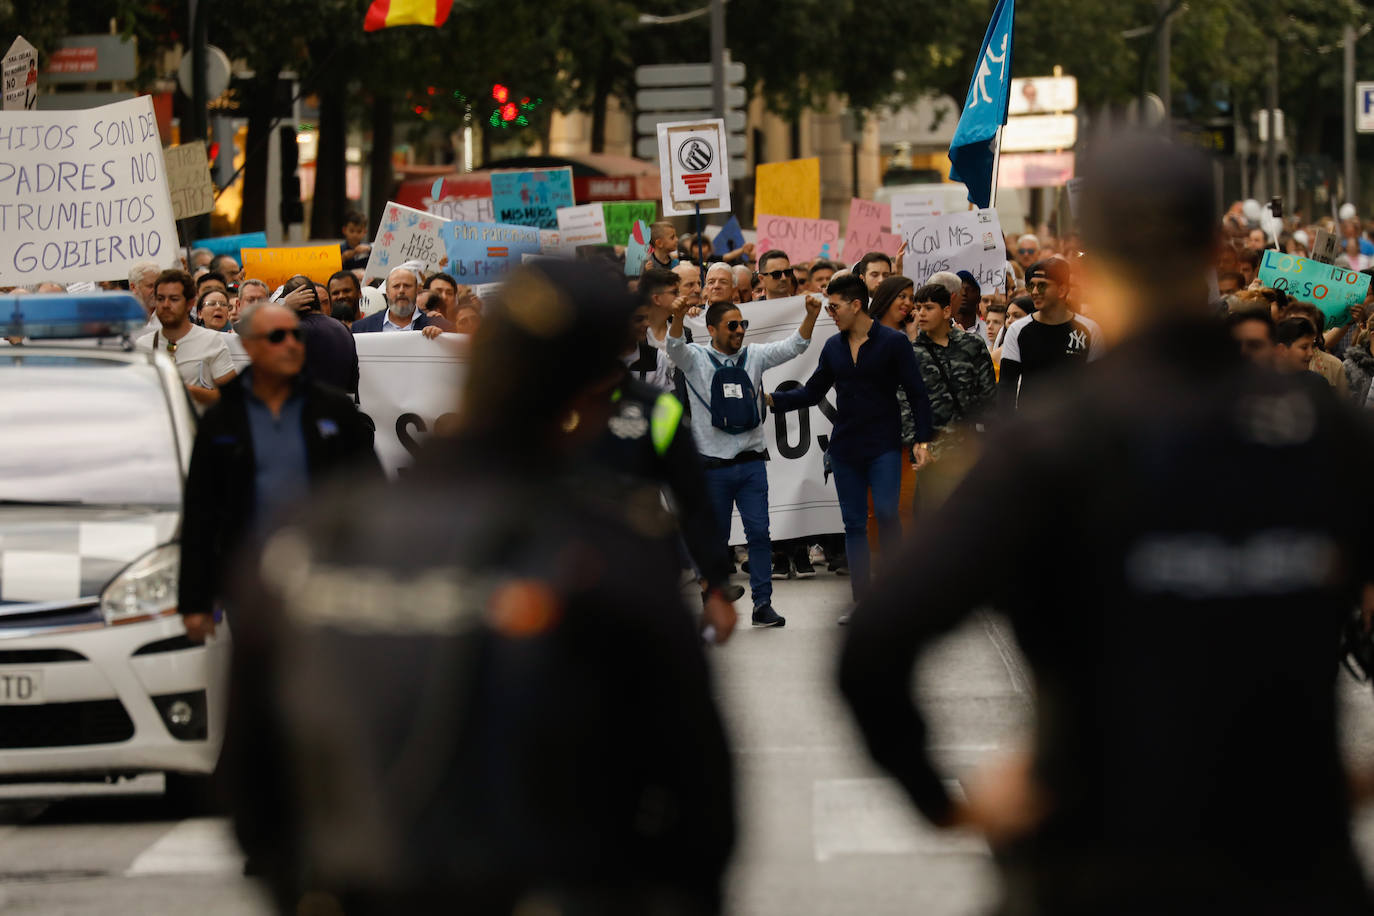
x,y
212,310
891,304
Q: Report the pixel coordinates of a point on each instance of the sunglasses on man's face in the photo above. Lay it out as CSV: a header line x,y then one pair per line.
x,y
740,325
277,336
1025,251
776,274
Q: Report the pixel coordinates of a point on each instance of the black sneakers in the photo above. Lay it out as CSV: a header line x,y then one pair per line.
x,y
782,566
765,616
802,563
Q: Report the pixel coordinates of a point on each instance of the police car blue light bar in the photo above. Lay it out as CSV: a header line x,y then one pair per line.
x,y
64,316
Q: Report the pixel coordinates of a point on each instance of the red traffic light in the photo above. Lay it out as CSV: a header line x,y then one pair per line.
x,y
509,111
500,93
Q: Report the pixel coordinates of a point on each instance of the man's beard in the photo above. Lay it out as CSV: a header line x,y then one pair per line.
x,y
403,309
344,311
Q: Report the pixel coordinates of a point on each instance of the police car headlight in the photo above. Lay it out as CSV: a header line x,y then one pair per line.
x,y
147,588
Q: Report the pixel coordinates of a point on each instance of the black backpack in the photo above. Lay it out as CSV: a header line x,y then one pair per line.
x,y
735,406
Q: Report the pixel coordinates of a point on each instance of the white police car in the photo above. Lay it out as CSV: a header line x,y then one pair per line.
x,y
97,678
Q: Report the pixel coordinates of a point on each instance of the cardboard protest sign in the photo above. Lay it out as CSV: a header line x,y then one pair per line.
x,y
867,231
637,249
531,197
693,166
188,179
802,239
621,216
406,235
551,243
482,252
729,238
1334,290
910,205
791,188
20,70
232,244
970,240
585,225
83,194
464,209
274,266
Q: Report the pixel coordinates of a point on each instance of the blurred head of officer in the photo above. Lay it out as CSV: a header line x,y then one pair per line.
x,y
271,335
1253,332
564,324
1151,268
1295,343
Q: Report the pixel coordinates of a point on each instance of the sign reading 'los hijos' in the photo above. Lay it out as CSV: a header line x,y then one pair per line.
x,y
1334,290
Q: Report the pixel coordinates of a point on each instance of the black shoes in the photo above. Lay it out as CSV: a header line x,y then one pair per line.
x,y
765,616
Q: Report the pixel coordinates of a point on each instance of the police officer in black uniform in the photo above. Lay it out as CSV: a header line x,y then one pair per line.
x,y
1181,615
484,694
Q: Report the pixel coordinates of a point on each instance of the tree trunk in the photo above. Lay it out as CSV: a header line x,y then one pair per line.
x,y
261,94
600,99
326,216
382,185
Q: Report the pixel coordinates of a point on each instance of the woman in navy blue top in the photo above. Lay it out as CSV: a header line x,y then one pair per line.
x,y
865,363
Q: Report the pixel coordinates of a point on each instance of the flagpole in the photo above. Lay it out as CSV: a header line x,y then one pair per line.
x,y
996,164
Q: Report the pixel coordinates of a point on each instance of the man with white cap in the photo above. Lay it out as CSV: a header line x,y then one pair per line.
x,y
402,287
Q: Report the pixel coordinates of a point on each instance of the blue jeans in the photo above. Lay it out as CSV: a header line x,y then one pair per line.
x,y
882,475
746,485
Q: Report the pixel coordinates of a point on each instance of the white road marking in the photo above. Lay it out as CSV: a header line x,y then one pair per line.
x,y
198,846
874,817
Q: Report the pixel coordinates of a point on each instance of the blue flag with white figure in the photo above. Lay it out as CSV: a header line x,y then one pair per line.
x,y
985,110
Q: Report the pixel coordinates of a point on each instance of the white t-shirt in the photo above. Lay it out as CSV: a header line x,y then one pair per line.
x,y
201,356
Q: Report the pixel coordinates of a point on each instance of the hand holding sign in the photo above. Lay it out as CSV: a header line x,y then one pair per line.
x,y
1334,290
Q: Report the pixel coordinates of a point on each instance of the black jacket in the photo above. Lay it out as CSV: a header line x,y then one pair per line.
x,y
331,355
219,495
1180,599
476,689
373,323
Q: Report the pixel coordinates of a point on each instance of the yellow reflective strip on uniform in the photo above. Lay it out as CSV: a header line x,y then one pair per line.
x,y
663,424
615,396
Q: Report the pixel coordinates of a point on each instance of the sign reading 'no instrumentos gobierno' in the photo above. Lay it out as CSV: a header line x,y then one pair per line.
x,y
83,194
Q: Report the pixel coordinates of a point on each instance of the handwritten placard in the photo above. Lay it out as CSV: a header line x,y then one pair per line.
x,y
404,235
232,244
83,194
791,188
802,239
274,266
531,197
464,209
911,205
483,252
621,216
970,240
585,225
867,231
1334,290
188,179
637,249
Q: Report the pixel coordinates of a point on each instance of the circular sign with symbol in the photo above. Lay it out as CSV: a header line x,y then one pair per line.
x,y
695,154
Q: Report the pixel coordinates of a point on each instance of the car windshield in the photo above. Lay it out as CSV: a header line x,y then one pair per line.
x,y
85,430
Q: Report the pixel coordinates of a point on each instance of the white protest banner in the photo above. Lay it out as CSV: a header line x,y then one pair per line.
x,y
406,235
970,240
464,209
585,225
20,73
188,179
83,194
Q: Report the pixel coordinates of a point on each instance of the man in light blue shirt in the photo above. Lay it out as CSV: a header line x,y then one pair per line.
x,y
734,449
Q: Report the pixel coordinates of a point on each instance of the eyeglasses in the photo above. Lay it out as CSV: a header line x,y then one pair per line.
x,y
776,274
1025,251
1039,284
277,336
741,325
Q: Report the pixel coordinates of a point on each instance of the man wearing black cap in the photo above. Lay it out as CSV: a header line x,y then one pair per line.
x,y
1052,338
1181,632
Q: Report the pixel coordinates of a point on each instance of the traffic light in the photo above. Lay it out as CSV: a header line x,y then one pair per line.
x,y
509,113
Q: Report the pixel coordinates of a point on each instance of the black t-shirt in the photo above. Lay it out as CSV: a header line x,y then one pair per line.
x,y
1032,348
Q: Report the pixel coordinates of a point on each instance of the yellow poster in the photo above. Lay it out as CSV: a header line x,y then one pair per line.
x,y
791,188
274,266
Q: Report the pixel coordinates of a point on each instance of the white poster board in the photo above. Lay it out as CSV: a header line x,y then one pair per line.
x,y
406,234
463,209
20,73
693,167
970,240
83,194
585,225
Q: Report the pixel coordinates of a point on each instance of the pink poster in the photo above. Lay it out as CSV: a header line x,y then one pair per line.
x,y
869,223
802,239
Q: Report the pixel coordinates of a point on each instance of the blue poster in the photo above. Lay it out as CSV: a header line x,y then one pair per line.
x,y
231,244
531,197
483,252
730,238
637,249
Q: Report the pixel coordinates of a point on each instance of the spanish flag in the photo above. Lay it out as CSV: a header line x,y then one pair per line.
x,y
383,14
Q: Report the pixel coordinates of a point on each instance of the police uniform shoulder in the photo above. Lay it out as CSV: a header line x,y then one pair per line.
x,y
636,390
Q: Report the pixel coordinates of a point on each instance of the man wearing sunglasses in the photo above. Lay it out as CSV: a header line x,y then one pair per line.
x,y
775,267
1027,250
271,439
734,450
1054,337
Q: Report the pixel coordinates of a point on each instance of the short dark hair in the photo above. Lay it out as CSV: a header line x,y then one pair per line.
x,y
861,268
1232,275
851,287
441,276
933,292
718,310
1249,256
217,260
210,275
655,280
188,285
1024,303
295,283
998,307
1236,319
1306,310
772,253
345,275
1291,330
353,217
823,264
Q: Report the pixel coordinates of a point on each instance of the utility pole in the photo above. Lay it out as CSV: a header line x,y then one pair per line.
x,y
1272,146
718,60
1352,190
198,124
1163,42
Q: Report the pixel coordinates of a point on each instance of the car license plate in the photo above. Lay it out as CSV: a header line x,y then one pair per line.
x,y
21,688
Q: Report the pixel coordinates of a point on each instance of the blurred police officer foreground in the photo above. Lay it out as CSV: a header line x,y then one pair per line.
x,y
1177,595
478,690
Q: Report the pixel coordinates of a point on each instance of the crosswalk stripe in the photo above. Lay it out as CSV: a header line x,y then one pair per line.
x,y
197,846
